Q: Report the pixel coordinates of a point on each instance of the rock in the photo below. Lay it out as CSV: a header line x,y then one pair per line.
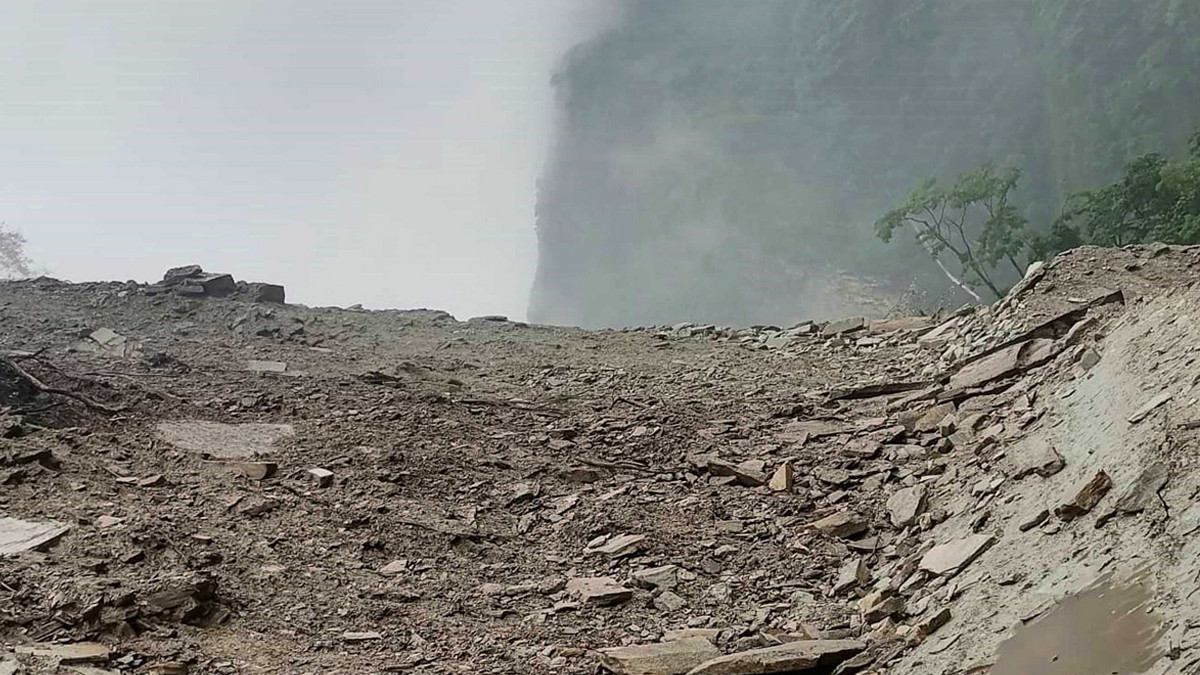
x,y
669,602
675,657
948,425
1088,358
266,366
1152,405
108,522
844,326
170,668
950,559
619,547
1033,518
216,285
489,318
179,274
322,477
1003,363
853,573
394,568
782,479
107,337
265,293
1143,492
906,505
665,577
710,634
1086,497
79,653
254,470
880,605
930,419
365,636
929,624
843,524
1034,455
19,536
791,657
224,441
598,591
748,478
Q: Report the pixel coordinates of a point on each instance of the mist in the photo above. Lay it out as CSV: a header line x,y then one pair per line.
x,y
361,151
725,162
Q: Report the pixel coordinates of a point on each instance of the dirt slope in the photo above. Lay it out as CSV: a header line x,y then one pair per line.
x,y
475,472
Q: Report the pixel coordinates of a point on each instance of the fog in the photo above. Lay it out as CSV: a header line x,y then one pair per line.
x,y
359,151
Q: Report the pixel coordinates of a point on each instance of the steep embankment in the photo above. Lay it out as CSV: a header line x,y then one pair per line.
x,y
282,489
724,162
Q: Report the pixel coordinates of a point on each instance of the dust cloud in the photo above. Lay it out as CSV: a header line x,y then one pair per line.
x,y
358,152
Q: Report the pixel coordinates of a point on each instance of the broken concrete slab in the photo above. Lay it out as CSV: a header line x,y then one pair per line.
x,y
224,441
906,505
19,536
1086,497
791,657
598,591
951,558
676,657
842,524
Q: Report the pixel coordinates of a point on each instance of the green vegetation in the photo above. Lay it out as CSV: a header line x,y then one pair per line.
x,y
1156,200
971,219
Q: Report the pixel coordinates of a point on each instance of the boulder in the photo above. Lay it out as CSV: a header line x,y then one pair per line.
x,y
792,657
675,657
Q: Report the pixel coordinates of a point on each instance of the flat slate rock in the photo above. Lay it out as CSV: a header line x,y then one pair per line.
x,y
224,441
676,657
950,559
19,536
792,657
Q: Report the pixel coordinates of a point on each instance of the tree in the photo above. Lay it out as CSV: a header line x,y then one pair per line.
x,y
12,253
971,219
1156,200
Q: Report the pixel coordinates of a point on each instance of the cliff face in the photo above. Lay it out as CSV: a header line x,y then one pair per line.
x,y
723,162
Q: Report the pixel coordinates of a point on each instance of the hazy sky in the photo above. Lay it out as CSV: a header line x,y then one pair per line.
x,y
376,151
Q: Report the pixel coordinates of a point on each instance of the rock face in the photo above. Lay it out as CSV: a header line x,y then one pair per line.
x,y
665,658
787,658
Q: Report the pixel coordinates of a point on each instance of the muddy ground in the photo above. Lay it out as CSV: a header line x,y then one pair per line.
x,y
266,488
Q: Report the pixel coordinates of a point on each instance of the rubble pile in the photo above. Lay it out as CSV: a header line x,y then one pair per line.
x,y
287,489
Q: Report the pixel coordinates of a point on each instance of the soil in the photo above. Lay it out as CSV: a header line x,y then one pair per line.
x,y
477,467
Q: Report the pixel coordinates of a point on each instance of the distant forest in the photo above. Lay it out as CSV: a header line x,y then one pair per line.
x,y
725,161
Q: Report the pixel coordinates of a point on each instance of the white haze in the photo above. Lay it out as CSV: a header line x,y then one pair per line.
x,y
357,151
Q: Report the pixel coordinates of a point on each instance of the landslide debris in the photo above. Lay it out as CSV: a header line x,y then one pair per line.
x,y
402,492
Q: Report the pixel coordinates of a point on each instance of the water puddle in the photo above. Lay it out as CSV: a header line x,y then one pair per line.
x,y
1104,630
